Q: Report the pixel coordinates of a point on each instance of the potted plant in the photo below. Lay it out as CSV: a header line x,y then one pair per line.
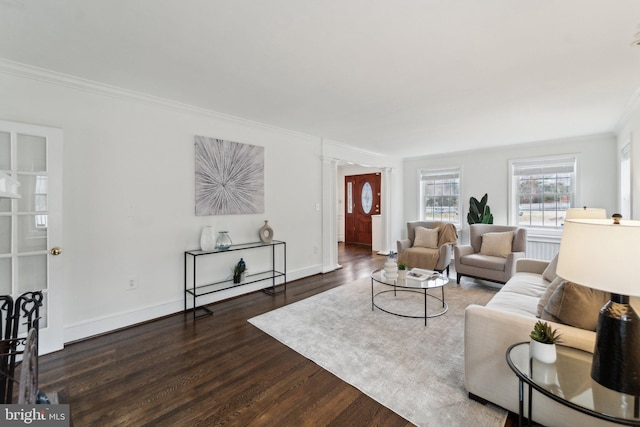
x,y
402,271
479,211
238,271
543,342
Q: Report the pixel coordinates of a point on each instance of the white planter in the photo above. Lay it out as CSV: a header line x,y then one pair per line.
x,y
402,274
545,353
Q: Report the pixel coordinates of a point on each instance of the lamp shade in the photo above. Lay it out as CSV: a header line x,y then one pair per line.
x,y
601,255
586,213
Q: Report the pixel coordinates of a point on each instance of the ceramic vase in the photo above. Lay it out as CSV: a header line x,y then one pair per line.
x,y
223,242
390,269
266,233
545,353
207,239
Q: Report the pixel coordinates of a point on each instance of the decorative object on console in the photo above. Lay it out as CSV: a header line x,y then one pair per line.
x,y
229,177
543,342
207,241
266,233
602,254
223,242
239,271
479,211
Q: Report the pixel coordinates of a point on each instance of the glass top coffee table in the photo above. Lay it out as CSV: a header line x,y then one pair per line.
x,y
432,280
568,381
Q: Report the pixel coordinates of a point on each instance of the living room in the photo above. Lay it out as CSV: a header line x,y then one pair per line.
x,y
126,207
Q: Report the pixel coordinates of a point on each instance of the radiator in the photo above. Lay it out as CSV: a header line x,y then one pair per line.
x,y
544,249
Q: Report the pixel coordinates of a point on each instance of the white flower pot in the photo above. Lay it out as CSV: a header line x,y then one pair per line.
x,y
545,353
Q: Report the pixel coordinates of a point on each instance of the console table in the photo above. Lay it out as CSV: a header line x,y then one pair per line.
x,y
195,291
568,381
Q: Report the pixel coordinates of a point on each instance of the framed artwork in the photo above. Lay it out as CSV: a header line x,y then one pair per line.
x,y
229,177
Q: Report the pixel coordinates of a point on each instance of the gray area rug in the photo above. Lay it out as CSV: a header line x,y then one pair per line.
x,y
416,371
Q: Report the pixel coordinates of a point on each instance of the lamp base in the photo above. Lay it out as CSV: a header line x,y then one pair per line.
x,y
616,358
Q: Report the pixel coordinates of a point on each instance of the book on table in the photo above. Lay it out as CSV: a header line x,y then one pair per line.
x,y
422,274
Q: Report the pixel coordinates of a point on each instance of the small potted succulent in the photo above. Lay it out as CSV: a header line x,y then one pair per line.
x,y
402,271
543,342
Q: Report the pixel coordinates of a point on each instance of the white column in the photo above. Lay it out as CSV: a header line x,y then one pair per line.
x,y
329,215
387,214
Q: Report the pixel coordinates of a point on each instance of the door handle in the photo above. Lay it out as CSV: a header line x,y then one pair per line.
x,y
56,251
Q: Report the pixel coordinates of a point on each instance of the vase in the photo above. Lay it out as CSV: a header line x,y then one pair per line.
x,y
390,269
223,242
207,239
545,353
266,233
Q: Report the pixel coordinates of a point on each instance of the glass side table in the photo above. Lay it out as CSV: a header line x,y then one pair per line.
x,y
568,381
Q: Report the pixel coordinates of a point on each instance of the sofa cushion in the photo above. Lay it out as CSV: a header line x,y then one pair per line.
x,y
484,261
575,305
549,273
520,294
546,296
530,284
426,237
497,244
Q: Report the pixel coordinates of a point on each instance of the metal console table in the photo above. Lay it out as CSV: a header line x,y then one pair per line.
x,y
191,288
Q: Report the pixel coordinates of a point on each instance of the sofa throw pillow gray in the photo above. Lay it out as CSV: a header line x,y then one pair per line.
x,y
575,305
546,296
549,273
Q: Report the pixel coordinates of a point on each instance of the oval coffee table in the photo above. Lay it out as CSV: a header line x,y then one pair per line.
x,y
410,284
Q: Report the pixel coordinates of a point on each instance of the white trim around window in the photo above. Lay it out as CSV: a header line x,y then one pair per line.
x,y
440,195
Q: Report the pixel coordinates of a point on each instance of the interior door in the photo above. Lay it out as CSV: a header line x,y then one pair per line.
x,y
31,226
362,200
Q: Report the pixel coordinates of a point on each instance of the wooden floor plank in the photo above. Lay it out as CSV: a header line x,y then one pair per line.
x,y
216,370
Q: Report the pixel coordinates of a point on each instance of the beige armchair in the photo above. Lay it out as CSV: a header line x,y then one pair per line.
x,y
491,257
433,250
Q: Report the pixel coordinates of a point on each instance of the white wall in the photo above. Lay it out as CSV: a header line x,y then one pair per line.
x,y
629,130
129,195
486,171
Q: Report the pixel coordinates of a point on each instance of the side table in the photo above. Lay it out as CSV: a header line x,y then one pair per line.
x,y
568,382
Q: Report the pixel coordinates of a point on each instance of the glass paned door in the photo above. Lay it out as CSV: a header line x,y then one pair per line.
x,y
32,225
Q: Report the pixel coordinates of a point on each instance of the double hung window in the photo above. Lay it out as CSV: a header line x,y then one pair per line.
x,y
542,189
440,195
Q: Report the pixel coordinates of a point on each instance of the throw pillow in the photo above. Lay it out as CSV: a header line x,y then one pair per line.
x,y
497,244
575,305
426,237
549,273
546,296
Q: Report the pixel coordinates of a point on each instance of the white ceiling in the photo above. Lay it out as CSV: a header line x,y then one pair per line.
x,y
408,77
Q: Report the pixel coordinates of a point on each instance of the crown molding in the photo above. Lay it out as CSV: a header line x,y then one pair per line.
x,y
77,83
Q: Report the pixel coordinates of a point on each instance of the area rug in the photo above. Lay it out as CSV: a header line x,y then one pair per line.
x,y
415,370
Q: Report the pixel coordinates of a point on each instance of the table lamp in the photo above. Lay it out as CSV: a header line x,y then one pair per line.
x,y
585,213
603,254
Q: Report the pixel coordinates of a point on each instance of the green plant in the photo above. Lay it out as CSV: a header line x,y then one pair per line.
x,y
402,266
479,211
542,332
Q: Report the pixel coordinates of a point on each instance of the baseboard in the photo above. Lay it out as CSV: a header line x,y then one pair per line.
x,y
112,322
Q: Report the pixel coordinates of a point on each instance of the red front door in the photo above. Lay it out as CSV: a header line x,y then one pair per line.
x,y
362,195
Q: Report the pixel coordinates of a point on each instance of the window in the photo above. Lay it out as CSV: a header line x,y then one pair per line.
x,y
440,195
542,190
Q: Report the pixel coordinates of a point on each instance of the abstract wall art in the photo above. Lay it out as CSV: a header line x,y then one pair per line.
x,y
229,177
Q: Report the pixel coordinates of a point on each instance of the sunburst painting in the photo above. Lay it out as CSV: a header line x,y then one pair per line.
x,y
229,177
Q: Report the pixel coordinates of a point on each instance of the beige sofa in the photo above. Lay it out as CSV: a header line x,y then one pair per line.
x,y
507,319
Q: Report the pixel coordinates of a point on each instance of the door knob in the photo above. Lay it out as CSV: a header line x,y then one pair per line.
x,y
56,251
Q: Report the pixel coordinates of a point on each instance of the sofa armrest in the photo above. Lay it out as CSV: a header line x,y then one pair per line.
x,y
462,250
487,335
530,265
444,259
402,245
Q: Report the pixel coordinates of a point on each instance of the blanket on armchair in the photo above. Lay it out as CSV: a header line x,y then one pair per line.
x,y
427,258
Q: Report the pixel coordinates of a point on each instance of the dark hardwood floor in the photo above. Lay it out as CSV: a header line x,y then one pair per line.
x,y
218,370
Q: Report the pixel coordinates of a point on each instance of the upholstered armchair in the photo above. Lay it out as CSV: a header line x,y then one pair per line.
x,y
492,252
428,245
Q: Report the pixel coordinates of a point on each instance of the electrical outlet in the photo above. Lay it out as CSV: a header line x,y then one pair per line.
x,y
132,282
